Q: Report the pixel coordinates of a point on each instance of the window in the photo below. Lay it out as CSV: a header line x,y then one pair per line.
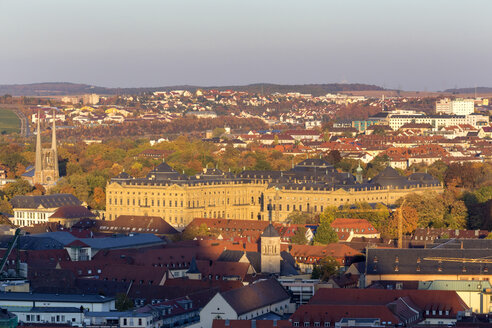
x,y
306,323
296,324
125,322
139,322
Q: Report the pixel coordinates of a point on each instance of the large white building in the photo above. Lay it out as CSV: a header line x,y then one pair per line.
x,y
438,121
30,210
455,107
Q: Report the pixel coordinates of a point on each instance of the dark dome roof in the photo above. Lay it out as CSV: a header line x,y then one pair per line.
x,y
123,175
390,177
419,176
164,168
389,172
270,231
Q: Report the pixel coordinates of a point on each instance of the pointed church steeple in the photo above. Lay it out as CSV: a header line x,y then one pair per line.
x,y
38,165
46,163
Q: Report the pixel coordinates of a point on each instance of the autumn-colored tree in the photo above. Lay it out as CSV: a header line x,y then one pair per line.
x,y
116,169
38,190
5,206
19,187
410,220
99,198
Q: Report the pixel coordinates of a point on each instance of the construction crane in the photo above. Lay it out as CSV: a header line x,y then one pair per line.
x,y
12,243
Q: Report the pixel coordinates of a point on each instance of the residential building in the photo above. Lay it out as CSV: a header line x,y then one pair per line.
x,y
248,302
428,264
346,307
93,303
70,316
347,229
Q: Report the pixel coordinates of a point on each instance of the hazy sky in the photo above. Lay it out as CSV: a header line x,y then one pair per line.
x,y
412,45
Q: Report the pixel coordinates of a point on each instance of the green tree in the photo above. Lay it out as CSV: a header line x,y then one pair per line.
x,y
297,217
123,302
379,130
327,267
325,234
329,214
217,132
299,237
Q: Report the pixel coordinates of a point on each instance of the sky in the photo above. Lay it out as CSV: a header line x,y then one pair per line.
x,y
426,45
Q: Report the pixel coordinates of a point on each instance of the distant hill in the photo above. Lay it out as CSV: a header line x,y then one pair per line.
x,y
65,88
470,90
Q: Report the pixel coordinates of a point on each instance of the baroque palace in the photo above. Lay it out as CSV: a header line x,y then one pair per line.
x,y
310,186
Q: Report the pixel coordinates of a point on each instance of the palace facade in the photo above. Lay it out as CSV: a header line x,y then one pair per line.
x,y
310,186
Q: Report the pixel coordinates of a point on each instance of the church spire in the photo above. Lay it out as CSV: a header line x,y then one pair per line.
x,y
38,166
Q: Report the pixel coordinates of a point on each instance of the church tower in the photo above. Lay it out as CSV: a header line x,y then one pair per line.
x,y
46,164
270,247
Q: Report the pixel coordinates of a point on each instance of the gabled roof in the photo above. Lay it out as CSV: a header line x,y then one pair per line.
x,y
334,313
77,243
421,298
72,212
46,201
254,296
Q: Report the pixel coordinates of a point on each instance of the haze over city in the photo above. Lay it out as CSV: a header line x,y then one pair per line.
x,y
409,45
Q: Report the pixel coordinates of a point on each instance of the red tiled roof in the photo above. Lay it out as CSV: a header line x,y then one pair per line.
x,y
72,212
248,324
421,298
334,313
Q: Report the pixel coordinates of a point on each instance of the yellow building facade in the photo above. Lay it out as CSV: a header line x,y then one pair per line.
x,y
309,187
